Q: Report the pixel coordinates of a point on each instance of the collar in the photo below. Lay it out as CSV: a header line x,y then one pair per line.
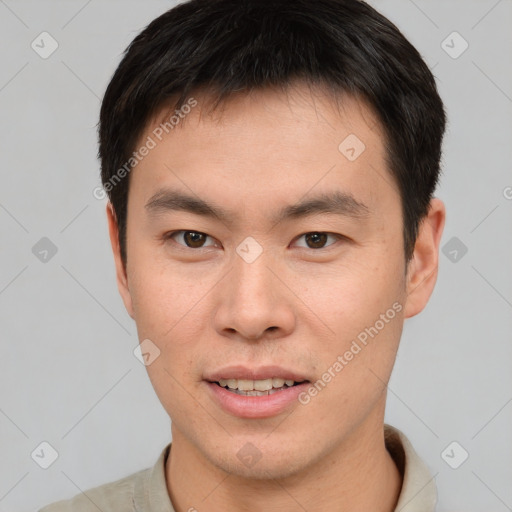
x,y
418,492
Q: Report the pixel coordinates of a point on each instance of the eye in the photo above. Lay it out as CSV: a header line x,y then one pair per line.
x,y
191,239
317,239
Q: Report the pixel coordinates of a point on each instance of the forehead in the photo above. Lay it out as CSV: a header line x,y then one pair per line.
x,y
291,103
266,145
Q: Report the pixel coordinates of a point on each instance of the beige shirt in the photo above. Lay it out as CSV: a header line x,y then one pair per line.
x,y
146,490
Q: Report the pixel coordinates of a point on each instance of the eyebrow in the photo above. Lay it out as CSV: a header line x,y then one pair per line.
x,y
336,202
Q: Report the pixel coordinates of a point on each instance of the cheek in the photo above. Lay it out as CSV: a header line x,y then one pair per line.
x,y
162,294
172,310
362,306
364,311
352,297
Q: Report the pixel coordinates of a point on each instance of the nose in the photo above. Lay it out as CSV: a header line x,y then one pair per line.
x,y
254,302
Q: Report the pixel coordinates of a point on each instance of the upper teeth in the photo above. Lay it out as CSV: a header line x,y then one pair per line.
x,y
258,385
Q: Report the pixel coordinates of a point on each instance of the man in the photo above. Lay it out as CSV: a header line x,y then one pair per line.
x,y
271,167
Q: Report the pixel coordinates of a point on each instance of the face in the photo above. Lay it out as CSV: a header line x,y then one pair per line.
x,y
263,244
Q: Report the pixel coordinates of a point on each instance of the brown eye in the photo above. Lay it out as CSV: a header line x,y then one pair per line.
x,y
317,239
191,239
194,239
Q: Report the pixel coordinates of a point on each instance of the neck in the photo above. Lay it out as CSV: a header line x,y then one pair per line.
x,y
358,475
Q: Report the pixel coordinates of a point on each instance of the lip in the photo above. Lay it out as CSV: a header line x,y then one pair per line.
x,y
260,373
253,407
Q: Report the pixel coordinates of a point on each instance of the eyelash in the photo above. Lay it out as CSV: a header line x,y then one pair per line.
x,y
170,236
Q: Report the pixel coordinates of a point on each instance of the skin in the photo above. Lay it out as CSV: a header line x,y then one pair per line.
x,y
295,306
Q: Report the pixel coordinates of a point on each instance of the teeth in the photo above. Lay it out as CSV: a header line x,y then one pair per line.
x,y
277,383
263,385
245,385
249,386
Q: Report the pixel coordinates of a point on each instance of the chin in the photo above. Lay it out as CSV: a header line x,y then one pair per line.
x,y
265,464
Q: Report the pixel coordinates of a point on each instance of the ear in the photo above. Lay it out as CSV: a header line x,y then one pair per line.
x,y
121,275
423,267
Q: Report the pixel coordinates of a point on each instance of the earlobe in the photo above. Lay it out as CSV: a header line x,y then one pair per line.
x,y
423,268
121,274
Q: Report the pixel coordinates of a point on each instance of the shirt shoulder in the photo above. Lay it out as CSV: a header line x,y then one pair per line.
x,y
109,497
144,490
418,493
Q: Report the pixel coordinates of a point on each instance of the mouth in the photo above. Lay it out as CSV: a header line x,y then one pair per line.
x,y
250,393
262,387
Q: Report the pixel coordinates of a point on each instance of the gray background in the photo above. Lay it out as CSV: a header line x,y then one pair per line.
x,y
68,373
